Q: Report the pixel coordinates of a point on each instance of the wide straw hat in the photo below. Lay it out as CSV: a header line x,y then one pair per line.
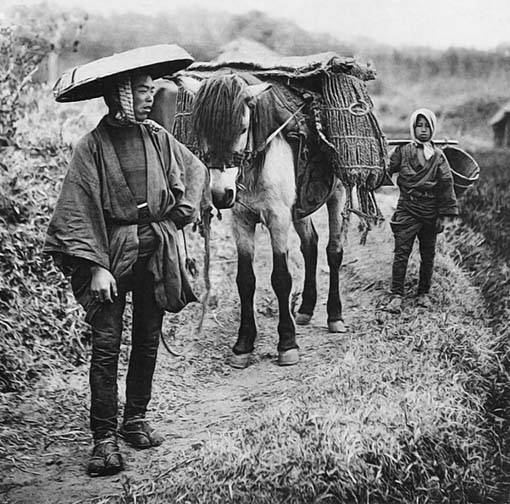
x,y
87,81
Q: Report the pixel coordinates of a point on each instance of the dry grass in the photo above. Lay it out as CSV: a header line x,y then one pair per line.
x,y
395,413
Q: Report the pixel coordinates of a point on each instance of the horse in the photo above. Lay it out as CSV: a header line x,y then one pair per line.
x,y
261,187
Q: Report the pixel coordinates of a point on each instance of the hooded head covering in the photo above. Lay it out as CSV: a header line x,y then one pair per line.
x,y
428,148
120,101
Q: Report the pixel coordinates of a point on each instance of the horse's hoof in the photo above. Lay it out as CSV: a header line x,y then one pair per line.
x,y
303,319
337,326
240,361
289,357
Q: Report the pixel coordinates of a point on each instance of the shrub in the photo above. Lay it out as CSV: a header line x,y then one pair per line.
x,y
20,56
39,324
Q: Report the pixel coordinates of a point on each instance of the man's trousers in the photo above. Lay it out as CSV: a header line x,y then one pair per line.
x,y
106,339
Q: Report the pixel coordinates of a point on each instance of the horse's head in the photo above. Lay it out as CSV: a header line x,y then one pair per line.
x,y
222,113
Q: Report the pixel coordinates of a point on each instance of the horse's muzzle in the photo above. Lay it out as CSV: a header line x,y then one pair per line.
x,y
223,186
223,199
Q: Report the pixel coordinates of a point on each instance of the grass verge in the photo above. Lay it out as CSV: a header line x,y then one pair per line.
x,y
400,416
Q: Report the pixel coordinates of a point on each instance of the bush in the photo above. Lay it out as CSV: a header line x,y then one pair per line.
x,y
39,323
20,56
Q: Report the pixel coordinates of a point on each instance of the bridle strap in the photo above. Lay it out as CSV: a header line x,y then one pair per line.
x,y
272,136
265,144
222,168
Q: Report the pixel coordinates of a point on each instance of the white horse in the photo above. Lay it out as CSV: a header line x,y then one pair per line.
x,y
254,174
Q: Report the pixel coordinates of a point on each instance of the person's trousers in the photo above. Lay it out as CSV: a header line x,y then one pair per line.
x,y
106,338
404,241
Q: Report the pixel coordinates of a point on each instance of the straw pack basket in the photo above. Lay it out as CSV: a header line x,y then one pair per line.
x,y
359,146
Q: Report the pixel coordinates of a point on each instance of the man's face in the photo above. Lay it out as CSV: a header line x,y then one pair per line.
x,y
143,96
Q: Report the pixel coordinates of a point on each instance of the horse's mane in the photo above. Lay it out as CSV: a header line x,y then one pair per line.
x,y
218,112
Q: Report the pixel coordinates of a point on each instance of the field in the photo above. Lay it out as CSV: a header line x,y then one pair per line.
x,y
409,409
486,207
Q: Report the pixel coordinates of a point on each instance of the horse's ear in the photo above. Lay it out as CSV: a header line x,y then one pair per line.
x,y
190,84
255,90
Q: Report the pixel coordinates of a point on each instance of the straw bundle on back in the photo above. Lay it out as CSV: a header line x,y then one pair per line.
x,y
359,147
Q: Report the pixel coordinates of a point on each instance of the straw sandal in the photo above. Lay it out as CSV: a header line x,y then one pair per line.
x,y
395,304
138,433
106,458
424,301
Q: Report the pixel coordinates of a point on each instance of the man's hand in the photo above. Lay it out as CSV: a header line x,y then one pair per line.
x,y
103,286
181,214
440,223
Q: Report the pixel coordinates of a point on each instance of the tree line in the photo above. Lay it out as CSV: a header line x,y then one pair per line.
x,y
79,36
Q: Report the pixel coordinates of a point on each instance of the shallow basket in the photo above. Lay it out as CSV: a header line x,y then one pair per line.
x,y
465,169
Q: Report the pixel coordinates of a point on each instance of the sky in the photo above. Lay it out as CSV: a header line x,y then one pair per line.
x,y
479,24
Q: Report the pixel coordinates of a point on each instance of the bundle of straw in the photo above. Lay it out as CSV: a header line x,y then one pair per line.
x,y
183,128
359,151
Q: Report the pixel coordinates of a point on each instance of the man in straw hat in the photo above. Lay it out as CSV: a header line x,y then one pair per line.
x,y
130,186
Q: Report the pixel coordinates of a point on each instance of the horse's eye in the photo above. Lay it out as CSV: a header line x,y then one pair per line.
x,y
244,130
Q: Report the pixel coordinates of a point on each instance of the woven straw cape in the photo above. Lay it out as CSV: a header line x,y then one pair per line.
x,y
87,81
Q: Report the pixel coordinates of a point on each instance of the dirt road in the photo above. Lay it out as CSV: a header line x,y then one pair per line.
x,y
45,434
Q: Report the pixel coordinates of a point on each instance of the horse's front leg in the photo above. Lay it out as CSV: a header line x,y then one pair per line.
x,y
309,239
335,253
281,280
244,234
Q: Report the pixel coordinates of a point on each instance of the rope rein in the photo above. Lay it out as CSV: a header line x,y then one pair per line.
x,y
206,228
273,135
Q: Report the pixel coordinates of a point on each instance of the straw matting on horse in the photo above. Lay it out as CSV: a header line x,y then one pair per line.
x,y
183,125
291,67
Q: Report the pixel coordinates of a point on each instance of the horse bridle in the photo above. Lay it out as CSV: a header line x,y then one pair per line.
x,y
240,161
235,160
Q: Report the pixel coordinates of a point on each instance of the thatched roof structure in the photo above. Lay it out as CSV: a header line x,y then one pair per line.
x,y
500,123
246,50
500,115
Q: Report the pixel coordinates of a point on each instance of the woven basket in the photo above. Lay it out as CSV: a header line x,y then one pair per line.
x,y
465,169
360,150
183,128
